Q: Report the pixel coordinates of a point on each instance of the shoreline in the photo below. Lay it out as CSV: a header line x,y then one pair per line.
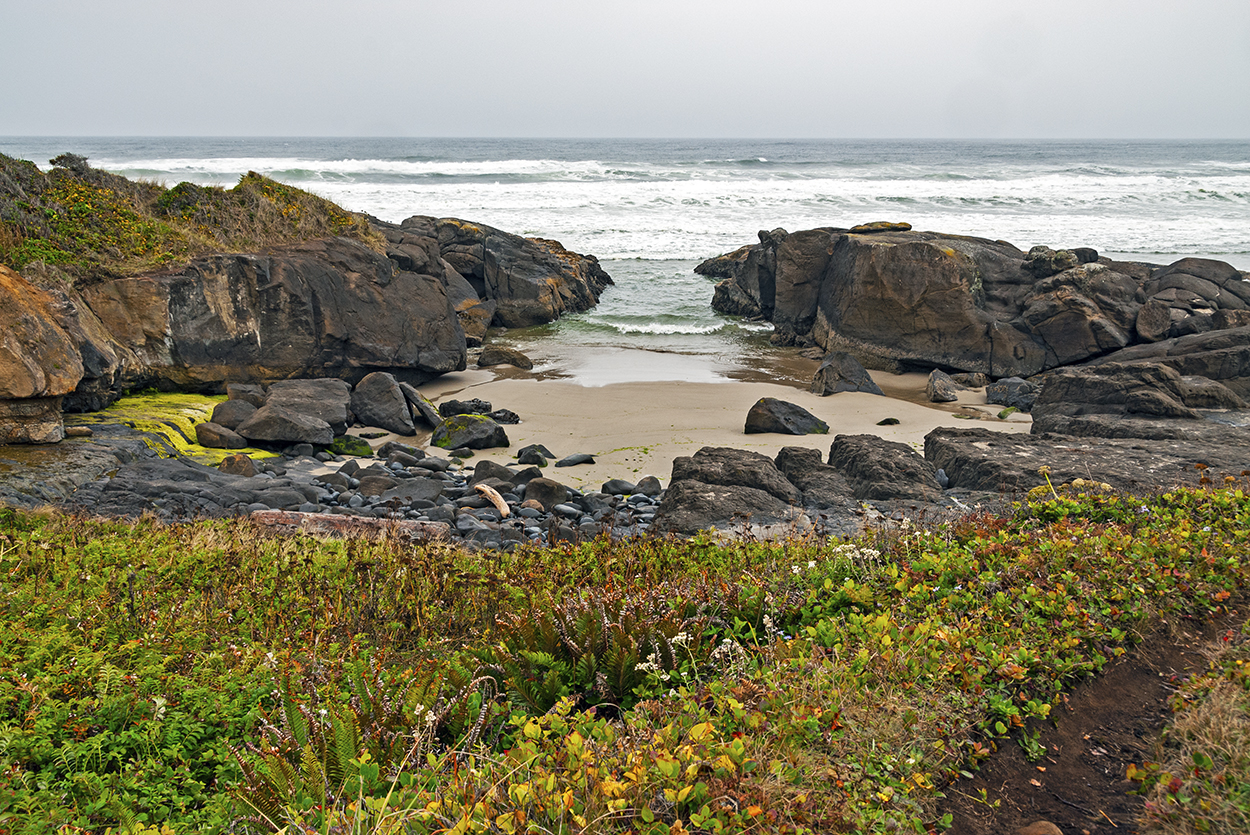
x,y
637,428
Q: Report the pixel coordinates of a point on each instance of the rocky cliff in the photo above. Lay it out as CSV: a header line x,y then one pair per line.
x,y
397,298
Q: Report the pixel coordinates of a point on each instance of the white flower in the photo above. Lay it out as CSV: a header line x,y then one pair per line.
x,y
811,563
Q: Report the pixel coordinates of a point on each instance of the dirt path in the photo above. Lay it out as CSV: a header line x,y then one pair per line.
x,y
1108,723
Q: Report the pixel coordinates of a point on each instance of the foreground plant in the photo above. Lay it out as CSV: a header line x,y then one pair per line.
x,y
648,686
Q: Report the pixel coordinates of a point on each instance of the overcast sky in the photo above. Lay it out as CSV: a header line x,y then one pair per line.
x,y
656,68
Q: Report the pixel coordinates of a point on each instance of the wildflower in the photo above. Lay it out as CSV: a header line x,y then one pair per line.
x,y
811,563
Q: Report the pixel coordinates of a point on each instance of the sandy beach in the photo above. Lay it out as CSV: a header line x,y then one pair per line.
x,y
636,428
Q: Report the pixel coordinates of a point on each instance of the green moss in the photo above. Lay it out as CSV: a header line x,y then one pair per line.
x,y
453,424
169,420
350,445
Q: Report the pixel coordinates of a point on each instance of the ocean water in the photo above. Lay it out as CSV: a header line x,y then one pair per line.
x,y
652,209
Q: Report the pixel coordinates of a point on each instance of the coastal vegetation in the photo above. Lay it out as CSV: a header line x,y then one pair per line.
x,y
81,224
212,675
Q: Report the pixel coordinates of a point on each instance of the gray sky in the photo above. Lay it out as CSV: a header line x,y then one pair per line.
x,y
665,68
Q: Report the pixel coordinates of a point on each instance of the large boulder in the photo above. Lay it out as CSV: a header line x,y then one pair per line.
x,y
822,486
273,424
769,414
327,399
233,412
839,371
1193,295
940,388
1221,355
378,401
1113,388
493,355
879,469
690,506
422,409
1082,312
531,280
893,296
1013,392
39,363
735,467
471,431
900,299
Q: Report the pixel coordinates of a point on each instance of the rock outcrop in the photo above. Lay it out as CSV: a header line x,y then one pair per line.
x,y
899,299
330,308
39,363
529,281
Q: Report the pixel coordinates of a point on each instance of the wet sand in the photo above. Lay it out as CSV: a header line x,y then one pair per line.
x,y
636,427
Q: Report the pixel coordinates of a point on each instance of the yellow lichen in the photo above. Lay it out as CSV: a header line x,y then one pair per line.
x,y
171,420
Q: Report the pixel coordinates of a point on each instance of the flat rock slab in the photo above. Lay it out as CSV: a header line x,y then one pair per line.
x,y
324,524
980,459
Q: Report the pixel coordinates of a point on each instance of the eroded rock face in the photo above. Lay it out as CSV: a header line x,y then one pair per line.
x,y
1221,355
900,299
330,308
39,363
1143,390
530,281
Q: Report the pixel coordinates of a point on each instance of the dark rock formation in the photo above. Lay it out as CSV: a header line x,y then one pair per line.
x,y
940,388
471,431
530,280
215,436
980,459
690,506
324,308
727,467
39,363
378,401
493,355
1112,388
325,399
451,408
233,412
772,415
546,492
821,485
1222,355
881,469
1013,392
276,424
422,409
899,299
839,371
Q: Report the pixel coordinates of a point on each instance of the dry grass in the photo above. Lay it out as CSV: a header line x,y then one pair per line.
x,y
1202,784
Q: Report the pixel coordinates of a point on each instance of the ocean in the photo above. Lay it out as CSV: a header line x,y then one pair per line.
x,y
650,210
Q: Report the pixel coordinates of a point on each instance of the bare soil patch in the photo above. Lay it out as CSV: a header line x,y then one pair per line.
x,y
1108,722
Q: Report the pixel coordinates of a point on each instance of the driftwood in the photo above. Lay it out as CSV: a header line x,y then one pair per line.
x,y
494,498
326,524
